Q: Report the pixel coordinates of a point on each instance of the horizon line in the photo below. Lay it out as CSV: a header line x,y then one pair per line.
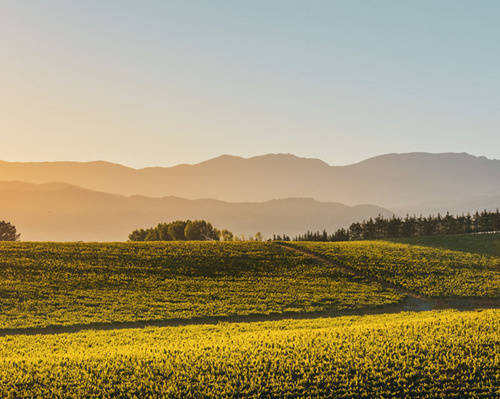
x,y
240,157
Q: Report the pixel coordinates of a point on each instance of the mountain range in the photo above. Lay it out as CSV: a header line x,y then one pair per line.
x,y
273,193
392,180
62,212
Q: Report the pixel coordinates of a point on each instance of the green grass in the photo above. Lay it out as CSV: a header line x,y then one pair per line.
x,y
432,272
485,244
428,354
45,284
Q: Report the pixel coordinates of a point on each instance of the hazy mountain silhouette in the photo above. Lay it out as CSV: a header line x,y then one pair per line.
x,y
392,180
62,212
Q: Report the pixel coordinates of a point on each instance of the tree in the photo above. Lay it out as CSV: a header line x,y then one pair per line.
x,y
200,230
138,235
181,230
152,235
176,230
8,232
258,236
226,235
163,232
394,227
356,231
408,227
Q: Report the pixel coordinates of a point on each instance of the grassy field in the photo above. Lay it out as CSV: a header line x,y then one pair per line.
x,y
432,272
485,244
88,288
45,284
428,354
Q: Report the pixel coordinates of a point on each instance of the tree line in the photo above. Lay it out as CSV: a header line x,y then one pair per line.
x,y
187,230
409,226
373,228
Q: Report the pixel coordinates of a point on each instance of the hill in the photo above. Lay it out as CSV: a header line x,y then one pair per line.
x,y
246,319
75,284
81,283
430,272
411,181
484,243
61,212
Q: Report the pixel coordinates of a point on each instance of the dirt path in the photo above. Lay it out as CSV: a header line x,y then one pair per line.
x,y
418,301
414,301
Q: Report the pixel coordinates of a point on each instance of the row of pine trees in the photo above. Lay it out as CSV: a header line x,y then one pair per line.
x,y
410,226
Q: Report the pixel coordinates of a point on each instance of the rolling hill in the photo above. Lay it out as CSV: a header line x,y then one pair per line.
x,y
62,212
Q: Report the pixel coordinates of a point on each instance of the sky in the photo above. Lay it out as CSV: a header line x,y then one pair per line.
x,y
166,82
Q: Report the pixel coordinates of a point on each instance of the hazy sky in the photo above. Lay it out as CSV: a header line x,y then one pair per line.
x,y
163,82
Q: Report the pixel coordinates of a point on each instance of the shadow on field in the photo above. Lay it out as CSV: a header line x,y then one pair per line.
x,y
323,259
409,304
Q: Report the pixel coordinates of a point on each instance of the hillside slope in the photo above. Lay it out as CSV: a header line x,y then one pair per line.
x,y
80,284
483,243
61,212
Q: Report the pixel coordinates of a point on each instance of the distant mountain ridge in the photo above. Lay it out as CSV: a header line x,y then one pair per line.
x,y
62,212
400,181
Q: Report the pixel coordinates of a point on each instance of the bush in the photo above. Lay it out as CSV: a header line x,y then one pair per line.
x,y
8,232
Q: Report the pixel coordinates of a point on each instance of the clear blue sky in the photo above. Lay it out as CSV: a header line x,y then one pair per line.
x,y
163,82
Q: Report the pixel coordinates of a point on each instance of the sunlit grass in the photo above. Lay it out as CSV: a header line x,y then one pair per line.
x,y
45,284
433,272
429,354
486,244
